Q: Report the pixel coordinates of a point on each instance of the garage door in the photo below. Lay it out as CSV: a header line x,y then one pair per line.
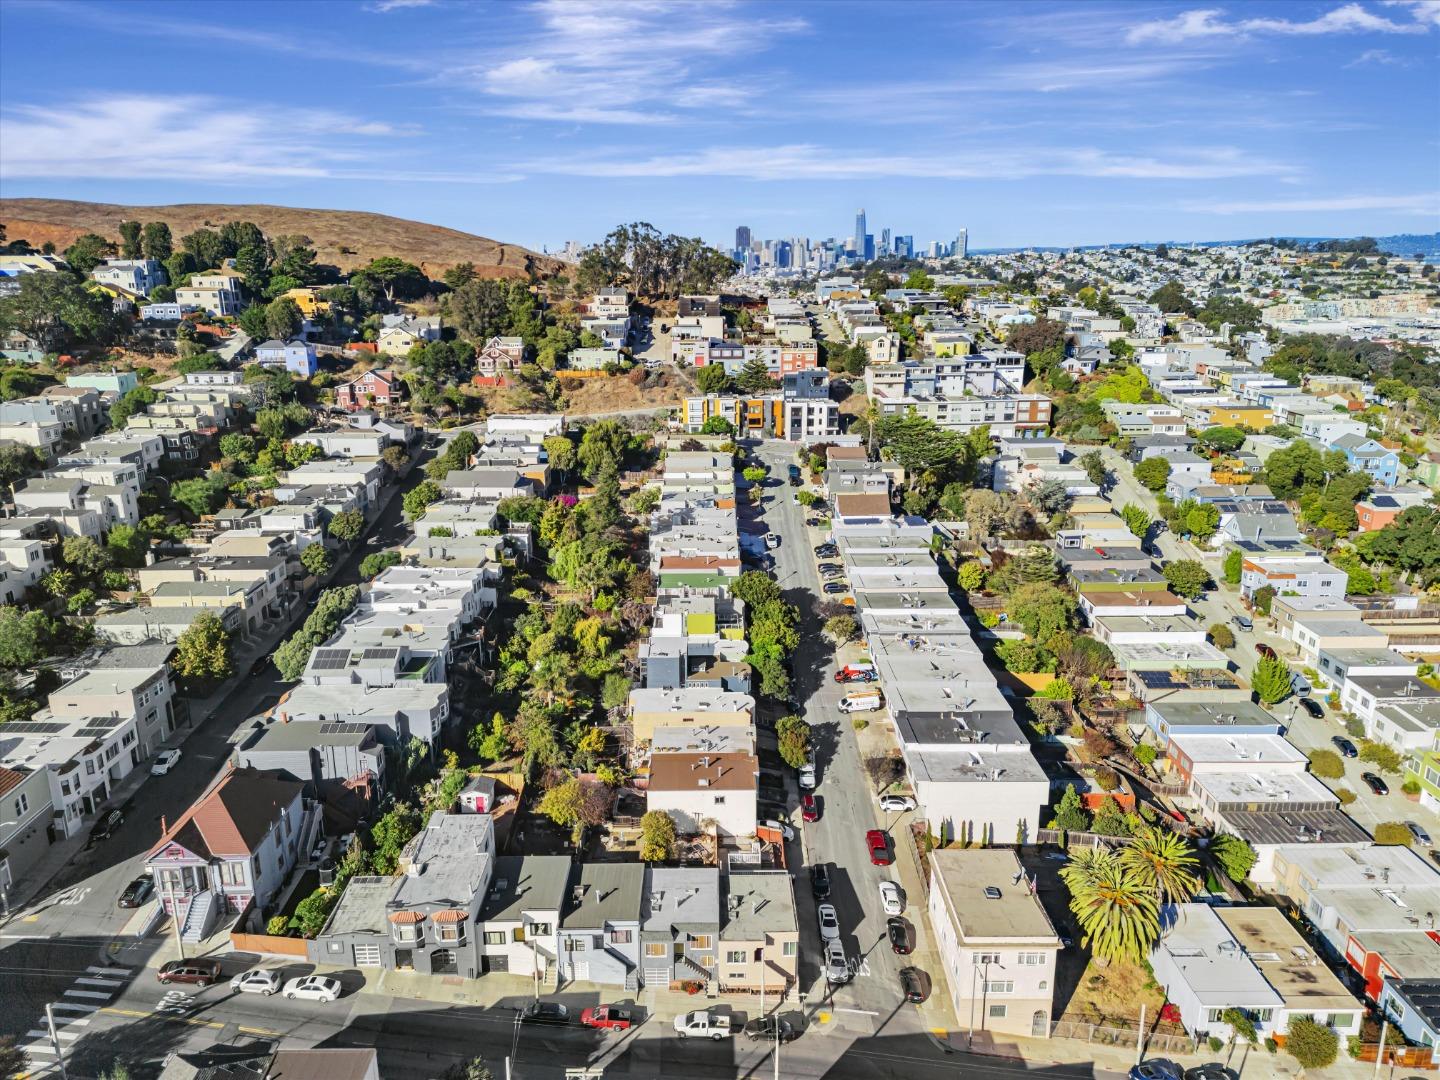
x,y
367,955
657,976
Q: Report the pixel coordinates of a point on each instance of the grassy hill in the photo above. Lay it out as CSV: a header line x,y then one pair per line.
x,y
343,238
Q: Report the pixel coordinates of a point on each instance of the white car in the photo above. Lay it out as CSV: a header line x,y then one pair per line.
x,y
164,762
896,803
807,776
256,981
891,898
829,922
781,827
313,988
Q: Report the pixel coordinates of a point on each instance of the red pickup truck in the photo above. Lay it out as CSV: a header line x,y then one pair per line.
x,y
609,1017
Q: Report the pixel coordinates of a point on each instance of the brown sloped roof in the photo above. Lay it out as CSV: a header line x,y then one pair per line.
x,y
234,815
696,562
862,505
10,779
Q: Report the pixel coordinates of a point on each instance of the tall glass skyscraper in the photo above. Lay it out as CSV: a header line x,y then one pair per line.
x,y
860,230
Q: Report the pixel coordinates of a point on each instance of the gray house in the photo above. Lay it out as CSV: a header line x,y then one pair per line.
x,y
680,926
427,918
318,753
599,937
521,919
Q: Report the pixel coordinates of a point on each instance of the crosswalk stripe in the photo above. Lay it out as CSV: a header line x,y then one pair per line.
x,y
88,980
108,970
92,994
39,1048
72,1021
60,1033
75,1006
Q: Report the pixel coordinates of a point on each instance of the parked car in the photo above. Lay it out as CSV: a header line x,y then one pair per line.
x,y
199,972
703,1025
1211,1070
105,827
832,588
1374,783
855,673
809,807
607,1018
1345,746
819,881
912,985
779,826
1418,832
772,540
828,566
263,981
1300,686
765,1028
164,762
896,804
313,988
827,550
137,892
829,921
815,522
892,899
1242,622
545,1012
1261,649
879,845
837,964
1311,706
259,666
806,776
1159,1069
898,931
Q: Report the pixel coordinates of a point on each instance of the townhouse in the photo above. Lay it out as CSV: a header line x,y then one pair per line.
x,y
599,933
680,926
139,276
25,555
1304,574
704,791
218,294
253,583
25,816
520,922
378,388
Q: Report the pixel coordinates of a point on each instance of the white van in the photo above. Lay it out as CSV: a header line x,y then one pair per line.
x,y
862,701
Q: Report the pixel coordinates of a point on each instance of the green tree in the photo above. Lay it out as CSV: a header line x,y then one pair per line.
x,y
603,446
378,562
25,637
474,1069
1042,610
491,741
130,244
88,252
1094,466
419,497
1186,577
127,545
971,575
1235,856
1153,473
1070,812
793,737
717,425
1038,336
918,279
755,376
16,463
283,318
1202,521
389,835
1387,758
1262,597
1271,680
1170,298
397,279
85,556
156,242
712,379
1037,564
316,559
1221,636
657,836
58,312
1116,908
1137,520
206,247
755,474
346,526
1313,1045
1234,563
842,629
1165,862
459,274
202,650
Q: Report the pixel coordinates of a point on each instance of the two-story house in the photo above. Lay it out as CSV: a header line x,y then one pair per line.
x,y
295,356
500,354
237,844
218,294
25,810
599,938
378,388
520,923
400,333
759,933
680,925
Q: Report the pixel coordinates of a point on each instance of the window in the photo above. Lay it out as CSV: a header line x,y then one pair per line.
x,y
232,873
576,944
734,956
700,941
494,937
987,958
999,986
655,949
1032,959
1044,984
997,1012
1341,1020
620,937
1213,1015
407,933
790,948
22,803
449,931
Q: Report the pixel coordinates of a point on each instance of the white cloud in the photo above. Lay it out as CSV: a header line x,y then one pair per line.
x,y
1383,57
601,62
384,7
1201,23
1424,204
804,161
190,138
1423,10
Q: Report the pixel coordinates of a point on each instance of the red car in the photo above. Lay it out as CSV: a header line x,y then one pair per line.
x,y
879,845
809,808
608,1017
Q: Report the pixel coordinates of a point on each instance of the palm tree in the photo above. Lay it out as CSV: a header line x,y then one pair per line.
x,y
1116,908
1165,863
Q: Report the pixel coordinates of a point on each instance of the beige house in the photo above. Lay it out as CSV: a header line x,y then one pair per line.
x,y
995,942
760,935
687,706
219,294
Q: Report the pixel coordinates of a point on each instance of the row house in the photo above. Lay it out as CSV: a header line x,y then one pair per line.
x,y
141,449
25,555
255,584
1301,574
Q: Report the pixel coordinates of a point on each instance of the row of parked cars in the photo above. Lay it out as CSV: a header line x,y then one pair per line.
x,y
204,971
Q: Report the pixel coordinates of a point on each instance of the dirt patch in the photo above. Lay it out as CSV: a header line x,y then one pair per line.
x,y
619,392
1104,995
343,238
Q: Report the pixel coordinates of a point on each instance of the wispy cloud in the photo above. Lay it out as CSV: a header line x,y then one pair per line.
x,y
803,161
140,137
600,62
1201,23
1424,204
384,7
1380,57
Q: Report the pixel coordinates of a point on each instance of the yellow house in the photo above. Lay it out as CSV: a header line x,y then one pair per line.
x,y
308,300
1238,415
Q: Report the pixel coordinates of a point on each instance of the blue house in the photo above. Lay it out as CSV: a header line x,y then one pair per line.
x,y
297,357
1367,455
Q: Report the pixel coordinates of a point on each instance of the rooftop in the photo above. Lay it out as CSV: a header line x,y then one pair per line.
x,y
1420,996
710,771
1202,749
1265,786
683,896
526,883
603,892
1284,958
449,860
989,897
1332,826
757,903
1211,962
1198,714
362,907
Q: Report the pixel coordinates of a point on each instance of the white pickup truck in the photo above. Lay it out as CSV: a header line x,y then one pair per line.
x,y
703,1025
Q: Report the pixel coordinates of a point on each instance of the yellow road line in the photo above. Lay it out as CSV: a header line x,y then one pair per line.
x,y
258,1031
165,1016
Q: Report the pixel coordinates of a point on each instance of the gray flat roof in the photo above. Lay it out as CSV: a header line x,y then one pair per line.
x,y
758,902
1220,715
610,892
524,883
304,734
681,896
451,853
1016,914
362,907
1211,963
1394,686
1296,827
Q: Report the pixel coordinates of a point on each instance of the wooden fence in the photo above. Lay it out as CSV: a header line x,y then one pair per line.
x,y
1407,1057
268,945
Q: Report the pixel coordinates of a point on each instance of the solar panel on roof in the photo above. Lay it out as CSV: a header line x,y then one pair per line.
x,y
93,732
330,659
31,728
343,729
381,654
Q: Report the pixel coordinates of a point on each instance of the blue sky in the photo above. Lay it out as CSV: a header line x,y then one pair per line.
x,y
538,122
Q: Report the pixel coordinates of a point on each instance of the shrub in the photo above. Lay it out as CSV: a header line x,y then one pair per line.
x,y
1313,1045
1222,636
1235,856
989,620
1386,757
1354,727
1393,834
1241,1024
278,926
1345,795
1145,754
859,723
1216,1044
1411,787
1107,779
1326,764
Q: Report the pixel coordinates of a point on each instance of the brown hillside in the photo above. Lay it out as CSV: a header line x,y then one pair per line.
x,y
343,238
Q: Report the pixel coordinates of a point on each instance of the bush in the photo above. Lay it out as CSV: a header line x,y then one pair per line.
x,y
1146,754
859,723
1392,834
1326,764
279,926
1241,1024
1107,779
1411,787
1221,636
1345,795
1353,725
1216,1044
1235,856
1313,1045
1386,757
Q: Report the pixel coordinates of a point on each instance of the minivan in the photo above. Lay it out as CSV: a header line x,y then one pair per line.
x,y
862,701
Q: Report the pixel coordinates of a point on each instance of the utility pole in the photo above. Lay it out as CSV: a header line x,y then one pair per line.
x,y
1140,1036
55,1039
1380,1054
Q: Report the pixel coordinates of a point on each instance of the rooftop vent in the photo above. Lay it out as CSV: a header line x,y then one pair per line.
x,y
992,892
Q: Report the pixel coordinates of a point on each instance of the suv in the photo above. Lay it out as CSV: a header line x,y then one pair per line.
x,y
198,972
820,881
837,965
105,827
1242,622
896,804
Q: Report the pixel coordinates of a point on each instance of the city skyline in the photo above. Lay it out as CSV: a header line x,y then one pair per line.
x,y
535,123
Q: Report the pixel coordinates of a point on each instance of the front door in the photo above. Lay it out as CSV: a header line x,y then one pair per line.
x,y
1039,1025
404,959
443,962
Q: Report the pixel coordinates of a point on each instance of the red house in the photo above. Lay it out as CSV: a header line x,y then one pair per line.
x,y
375,389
